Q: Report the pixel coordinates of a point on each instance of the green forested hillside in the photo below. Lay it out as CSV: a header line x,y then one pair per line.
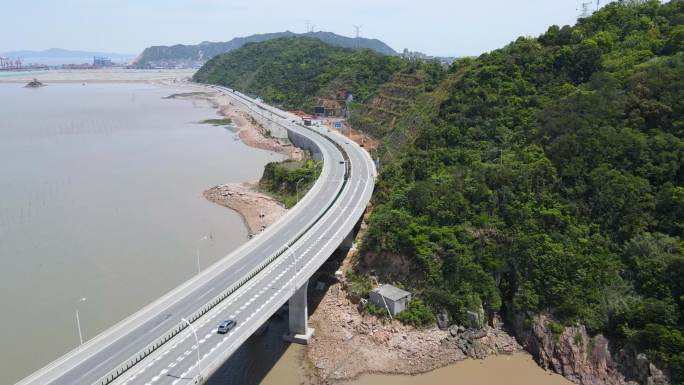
x,y
176,54
545,176
549,177
295,71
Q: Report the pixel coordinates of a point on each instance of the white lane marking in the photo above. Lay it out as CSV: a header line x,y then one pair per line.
x,y
330,239
206,293
257,281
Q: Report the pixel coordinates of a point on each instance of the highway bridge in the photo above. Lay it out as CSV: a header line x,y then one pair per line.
x,y
173,340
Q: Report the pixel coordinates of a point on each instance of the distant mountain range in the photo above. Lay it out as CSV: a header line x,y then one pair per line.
x,y
196,55
59,56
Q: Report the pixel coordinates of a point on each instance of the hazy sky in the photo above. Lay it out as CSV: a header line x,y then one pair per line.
x,y
437,27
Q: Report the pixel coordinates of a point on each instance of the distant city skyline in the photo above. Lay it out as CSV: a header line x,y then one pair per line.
x,y
457,28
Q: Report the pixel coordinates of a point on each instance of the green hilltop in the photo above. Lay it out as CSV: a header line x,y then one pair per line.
x,y
190,55
293,71
542,177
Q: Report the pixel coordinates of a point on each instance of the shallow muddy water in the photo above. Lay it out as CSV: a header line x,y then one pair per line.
x,y
101,197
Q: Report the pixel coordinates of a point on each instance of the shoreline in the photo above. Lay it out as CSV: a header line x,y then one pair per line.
x,y
97,76
374,346
254,135
257,210
511,369
250,132
241,197
248,203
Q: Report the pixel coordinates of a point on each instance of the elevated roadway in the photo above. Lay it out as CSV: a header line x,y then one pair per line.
x,y
173,340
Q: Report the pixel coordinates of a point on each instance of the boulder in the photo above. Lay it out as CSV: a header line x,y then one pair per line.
x,y
454,330
443,319
475,319
34,84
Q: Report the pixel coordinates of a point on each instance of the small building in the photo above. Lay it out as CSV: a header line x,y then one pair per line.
x,y
101,62
307,119
333,108
392,297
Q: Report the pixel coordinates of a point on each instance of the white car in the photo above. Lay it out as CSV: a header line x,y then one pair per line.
x,y
226,326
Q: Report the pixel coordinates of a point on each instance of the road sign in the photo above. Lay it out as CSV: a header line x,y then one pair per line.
x,y
338,124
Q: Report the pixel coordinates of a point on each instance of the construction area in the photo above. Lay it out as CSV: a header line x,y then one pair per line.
x,y
16,64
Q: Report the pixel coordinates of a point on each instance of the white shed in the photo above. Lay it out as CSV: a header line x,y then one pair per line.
x,y
394,298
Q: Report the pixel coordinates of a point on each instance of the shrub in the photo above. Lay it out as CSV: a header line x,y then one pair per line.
x,y
417,314
358,284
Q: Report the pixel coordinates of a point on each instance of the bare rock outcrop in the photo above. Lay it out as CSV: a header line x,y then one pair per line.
x,y
34,84
582,358
258,210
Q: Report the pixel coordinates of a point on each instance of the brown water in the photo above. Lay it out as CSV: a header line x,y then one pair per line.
x,y
266,360
101,197
516,369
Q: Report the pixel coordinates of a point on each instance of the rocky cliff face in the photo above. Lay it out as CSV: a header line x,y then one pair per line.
x,y
581,358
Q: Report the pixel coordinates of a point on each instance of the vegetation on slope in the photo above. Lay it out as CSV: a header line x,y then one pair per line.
x,y
294,72
542,177
380,114
549,178
289,180
206,50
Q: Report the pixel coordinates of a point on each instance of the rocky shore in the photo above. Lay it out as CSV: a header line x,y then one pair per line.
x,y
585,359
257,210
253,134
348,343
249,130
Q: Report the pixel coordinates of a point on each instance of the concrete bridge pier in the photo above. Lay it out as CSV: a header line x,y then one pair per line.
x,y
299,332
348,241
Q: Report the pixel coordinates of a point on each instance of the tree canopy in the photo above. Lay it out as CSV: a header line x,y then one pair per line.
x,y
548,176
292,72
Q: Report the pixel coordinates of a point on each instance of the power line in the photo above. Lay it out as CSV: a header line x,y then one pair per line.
x,y
309,27
585,12
357,34
357,28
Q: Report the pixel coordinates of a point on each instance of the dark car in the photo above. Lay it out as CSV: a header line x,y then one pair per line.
x,y
226,326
